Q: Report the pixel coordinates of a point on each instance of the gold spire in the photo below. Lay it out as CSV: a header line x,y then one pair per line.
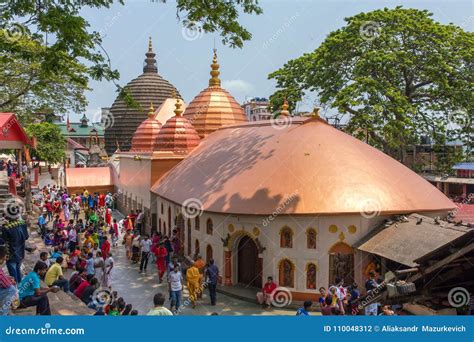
x,y
150,45
178,109
215,81
151,111
284,108
315,113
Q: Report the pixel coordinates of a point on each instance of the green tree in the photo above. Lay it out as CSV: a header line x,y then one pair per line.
x,y
50,143
396,73
48,52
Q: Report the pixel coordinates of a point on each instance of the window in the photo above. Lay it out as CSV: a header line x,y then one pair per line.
x,y
286,273
162,210
196,223
208,253
311,238
209,226
196,248
311,276
286,237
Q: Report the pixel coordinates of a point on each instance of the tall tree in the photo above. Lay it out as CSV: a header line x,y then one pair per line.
x,y
49,53
50,144
396,73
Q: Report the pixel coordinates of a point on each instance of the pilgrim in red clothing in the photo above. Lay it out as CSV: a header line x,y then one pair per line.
x,y
160,253
108,217
105,248
101,200
265,297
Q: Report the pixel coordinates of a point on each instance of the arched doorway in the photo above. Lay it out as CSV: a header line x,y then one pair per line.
x,y
248,272
208,253
341,263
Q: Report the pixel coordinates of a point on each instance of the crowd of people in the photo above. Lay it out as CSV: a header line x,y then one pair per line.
x,y
337,300
79,234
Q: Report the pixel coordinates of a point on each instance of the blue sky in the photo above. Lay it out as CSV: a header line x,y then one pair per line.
x,y
286,30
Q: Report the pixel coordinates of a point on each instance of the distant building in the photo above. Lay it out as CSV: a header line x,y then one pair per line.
x,y
82,132
256,109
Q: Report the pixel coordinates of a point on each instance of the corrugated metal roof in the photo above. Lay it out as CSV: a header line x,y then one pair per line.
x,y
405,242
464,166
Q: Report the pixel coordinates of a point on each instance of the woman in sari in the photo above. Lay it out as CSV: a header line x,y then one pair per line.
x,y
108,266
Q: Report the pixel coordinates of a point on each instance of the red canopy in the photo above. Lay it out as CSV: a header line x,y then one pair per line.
x,y
12,134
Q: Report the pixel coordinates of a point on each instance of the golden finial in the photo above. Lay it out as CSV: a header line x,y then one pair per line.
x,y
178,109
151,111
215,81
315,113
284,108
150,45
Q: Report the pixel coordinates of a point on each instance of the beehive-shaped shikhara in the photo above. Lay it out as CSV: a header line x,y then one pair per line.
x,y
214,107
144,138
177,134
147,88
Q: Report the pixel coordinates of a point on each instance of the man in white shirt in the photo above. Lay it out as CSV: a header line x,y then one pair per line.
x,y
175,280
145,245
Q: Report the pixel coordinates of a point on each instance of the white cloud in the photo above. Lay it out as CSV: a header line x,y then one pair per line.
x,y
239,87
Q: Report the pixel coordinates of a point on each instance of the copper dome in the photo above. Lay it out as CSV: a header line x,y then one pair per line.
x,y
177,134
214,107
147,88
144,138
308,167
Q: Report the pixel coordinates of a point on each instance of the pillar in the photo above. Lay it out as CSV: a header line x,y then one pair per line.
x,y
228,268
446,189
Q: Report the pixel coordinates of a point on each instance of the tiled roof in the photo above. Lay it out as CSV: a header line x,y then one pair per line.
x,y
79,131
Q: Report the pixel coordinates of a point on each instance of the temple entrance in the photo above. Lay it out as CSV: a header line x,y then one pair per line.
x,y
341,263
248,272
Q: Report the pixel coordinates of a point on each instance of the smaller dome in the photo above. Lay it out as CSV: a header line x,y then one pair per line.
x,y
177,134
144,138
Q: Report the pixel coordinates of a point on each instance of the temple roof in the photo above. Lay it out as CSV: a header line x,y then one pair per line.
x,y
147,88
214,107
177,134
307,167
144,138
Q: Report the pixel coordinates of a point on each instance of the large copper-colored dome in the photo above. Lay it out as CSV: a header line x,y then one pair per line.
x,y
144,138
177,134
147,88
308,167
214,107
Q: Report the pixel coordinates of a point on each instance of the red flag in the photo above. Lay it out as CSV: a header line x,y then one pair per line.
x,y
68,125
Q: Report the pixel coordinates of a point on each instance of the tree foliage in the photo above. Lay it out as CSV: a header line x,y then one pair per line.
x,y
50,144
396,73
49,53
